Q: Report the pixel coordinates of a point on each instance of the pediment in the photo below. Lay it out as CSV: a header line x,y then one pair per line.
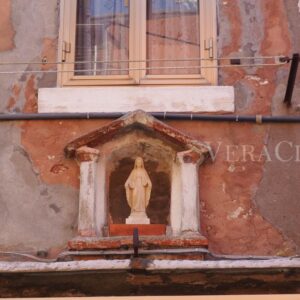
x,y
137,120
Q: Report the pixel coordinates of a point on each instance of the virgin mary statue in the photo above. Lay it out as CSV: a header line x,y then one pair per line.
x,y
138,190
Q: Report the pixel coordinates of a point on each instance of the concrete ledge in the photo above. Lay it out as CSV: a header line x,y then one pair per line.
x,y
224,264
126,264
195,99
30,267
89,278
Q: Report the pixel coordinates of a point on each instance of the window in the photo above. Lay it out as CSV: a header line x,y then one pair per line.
x,y
108,42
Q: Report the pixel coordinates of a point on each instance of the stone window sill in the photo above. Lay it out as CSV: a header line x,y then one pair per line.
x,y
197,99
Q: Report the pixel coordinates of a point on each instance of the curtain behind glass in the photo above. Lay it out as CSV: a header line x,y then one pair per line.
x,y
173,32
102,37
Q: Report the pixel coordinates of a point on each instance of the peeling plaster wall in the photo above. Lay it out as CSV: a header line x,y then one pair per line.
x,y
268,216
34,214
6,28
247,207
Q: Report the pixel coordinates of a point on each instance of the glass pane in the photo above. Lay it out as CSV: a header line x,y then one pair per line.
x,y
102,37
173,37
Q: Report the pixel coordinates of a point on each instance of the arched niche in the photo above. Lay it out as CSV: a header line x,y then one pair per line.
x,y
158,158
171,159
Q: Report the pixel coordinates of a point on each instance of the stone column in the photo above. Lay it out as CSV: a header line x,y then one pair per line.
x,y
189,162
176,199
87,158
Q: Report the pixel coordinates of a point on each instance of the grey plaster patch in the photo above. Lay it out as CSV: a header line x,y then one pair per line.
x,y
252,26
55,208
20,161
47,80
277,196
293,15
224,29
24,201
252,30
44,192
9,135
33,21
33,215
279,108
3,212
244,96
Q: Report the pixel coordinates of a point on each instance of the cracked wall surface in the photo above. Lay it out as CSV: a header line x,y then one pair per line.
x,y
249,205
34,214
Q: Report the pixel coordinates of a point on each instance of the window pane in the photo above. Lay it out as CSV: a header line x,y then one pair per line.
x,y
102,37
173,33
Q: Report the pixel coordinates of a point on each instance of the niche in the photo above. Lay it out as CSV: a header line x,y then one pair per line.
x,y
159,167
106,157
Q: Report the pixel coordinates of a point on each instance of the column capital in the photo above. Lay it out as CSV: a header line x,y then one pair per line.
x,y
191,156
85,153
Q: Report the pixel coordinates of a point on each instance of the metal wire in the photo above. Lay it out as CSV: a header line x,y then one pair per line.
x,y
138,69
146,60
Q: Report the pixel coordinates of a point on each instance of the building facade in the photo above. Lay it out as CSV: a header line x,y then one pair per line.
x,y
220,182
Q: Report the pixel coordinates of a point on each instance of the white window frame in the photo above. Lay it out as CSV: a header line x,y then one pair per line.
x,y
137,50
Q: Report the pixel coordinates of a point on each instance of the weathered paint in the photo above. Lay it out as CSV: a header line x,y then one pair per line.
x,y
7,32
34,215
148,242
213,99
246,207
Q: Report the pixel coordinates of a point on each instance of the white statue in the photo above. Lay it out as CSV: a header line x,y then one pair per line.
x,y
138,190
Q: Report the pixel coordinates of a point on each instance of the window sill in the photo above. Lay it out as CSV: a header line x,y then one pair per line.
x,y
204,99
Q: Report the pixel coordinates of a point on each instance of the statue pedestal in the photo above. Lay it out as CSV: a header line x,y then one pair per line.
x,y
144,229
138,218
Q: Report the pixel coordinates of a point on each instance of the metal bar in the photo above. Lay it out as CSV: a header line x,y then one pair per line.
x,y
292,79
95,60
58,116
136,242
129,252
160,115
174,251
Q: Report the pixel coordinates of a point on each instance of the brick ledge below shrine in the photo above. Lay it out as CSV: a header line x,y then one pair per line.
x,y
125,242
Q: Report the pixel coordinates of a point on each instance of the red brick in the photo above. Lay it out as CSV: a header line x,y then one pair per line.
x,y
127,229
